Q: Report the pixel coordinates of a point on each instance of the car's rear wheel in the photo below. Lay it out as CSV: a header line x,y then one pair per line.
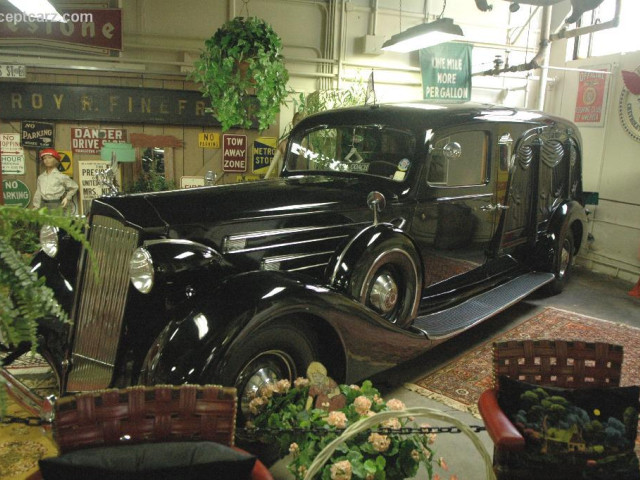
x,y
562,263
387,280
274,353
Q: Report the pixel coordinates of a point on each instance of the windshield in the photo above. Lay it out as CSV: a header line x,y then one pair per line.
x,y
367,149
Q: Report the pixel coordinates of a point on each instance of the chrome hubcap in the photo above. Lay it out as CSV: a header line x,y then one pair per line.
x,y
565,258
267,368
384,293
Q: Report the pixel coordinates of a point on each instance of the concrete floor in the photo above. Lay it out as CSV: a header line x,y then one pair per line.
x,y
588,293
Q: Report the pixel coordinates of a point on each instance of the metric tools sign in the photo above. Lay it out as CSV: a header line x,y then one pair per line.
x,y
446,72
234,153
12,154
36,134
91,140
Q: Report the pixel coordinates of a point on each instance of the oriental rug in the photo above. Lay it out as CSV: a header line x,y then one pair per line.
x,y
460,382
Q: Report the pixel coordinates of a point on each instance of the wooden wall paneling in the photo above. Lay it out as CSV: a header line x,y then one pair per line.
x,y
177,152
192,155
151,83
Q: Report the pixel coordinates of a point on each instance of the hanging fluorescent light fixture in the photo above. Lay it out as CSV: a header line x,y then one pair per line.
x,y
38,8
424,35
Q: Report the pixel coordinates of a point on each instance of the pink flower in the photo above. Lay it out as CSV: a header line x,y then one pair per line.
x,y
395,404
256,405
453,477
380,442
377,399
354,387
294,448
362,404
267,390
415,454
392,423
443,464
282,386
337,419
301,382
341,470
436,476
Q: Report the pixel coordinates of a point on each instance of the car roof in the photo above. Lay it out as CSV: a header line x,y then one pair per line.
x,y
412,115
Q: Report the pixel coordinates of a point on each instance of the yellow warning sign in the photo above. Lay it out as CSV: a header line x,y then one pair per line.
x,y
209,140
65,166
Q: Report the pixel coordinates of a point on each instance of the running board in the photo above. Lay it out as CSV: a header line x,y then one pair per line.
x,y
454,320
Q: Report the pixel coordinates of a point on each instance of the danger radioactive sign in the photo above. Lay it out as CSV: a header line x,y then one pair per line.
x,y
65,165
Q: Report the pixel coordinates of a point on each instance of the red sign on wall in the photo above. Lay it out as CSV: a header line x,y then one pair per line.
x,y
91,140
97,28
591,98
234,153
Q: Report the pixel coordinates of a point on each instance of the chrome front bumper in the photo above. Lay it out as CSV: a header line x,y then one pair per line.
x,y
32,402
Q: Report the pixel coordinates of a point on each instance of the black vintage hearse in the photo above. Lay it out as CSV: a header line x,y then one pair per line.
x,y
390,228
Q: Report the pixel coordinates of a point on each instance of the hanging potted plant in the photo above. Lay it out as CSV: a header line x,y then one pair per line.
x,y
242,73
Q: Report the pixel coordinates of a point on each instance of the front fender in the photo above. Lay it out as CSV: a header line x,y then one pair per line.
x,y
197,348
339,272
50,268
188,349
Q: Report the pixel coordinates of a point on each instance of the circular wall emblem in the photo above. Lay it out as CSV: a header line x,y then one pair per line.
x,y
629,105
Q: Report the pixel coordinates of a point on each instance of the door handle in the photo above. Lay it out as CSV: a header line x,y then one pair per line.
x,y
491,208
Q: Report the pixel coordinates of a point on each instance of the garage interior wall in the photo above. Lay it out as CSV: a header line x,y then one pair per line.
x,y
334,43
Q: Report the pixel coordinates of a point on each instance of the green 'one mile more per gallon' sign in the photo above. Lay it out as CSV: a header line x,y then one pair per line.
x,y
446,72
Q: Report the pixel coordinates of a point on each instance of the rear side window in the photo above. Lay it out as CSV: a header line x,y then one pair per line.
x,y
458,159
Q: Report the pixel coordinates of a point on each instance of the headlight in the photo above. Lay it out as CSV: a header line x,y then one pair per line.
x,y
141,270
49,240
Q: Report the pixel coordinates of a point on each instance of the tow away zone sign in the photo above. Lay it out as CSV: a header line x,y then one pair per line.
x,y
234,153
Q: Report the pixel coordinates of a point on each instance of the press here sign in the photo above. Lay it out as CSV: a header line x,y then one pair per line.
x,y
446,72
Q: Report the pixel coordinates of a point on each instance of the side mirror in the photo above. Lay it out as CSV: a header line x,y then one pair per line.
x,y
376,202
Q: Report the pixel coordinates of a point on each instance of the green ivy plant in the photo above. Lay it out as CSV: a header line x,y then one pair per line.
x,y
24,298
242,73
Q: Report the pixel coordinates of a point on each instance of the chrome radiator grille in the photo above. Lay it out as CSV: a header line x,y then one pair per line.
x,y
100,310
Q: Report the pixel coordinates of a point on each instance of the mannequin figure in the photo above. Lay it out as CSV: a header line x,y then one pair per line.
x,y
54,189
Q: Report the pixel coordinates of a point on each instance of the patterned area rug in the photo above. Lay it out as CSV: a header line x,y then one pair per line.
x,y
21,446
460,383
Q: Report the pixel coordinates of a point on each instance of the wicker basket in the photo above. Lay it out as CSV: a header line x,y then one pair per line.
x,y
364,424
161,413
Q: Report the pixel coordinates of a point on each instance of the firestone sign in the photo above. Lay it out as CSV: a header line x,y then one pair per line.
x,y
96,28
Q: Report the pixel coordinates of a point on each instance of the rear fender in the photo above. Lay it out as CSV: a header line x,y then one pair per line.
x,y
568,215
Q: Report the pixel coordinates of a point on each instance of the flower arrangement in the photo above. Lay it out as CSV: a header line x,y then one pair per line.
x,y
304,418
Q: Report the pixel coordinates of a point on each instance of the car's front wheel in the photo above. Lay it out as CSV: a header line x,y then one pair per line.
x,y
276,352
387,280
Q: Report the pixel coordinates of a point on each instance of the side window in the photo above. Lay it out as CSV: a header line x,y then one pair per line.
x,y
458,159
